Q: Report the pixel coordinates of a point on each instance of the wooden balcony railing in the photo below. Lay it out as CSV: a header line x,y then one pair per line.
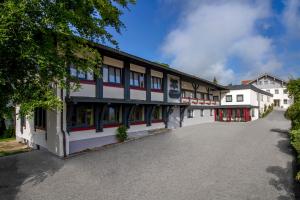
x,y
197,101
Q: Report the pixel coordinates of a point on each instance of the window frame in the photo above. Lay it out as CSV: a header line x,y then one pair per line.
x,y
215,98
86,74
227,96
74,125
190,113
158,81
137,77
110,82
160,118
237,98
112,123
133,119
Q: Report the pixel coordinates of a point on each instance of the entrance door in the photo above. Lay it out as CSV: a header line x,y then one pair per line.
x,y
276,102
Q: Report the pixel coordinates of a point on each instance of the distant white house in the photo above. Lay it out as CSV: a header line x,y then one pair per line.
x,y
275,86
243,103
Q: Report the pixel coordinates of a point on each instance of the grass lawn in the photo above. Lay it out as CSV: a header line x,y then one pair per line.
x,y
7,139
9,146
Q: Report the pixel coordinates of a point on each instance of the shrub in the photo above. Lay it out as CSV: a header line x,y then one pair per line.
x,y
121,133
9,133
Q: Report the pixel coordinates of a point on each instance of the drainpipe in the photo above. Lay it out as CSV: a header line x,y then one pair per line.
x,y
62,123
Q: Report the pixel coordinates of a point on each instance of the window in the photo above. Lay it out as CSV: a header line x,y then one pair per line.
x,y
239,98
40,118
111,75
82,116
276,91
190,113
272,82
136,79
210,96
81,74
157,113
285,101
216,98
201,95
266,82
260,83
211,112
137,114
112,115
253,112
186,94
285,91
156,83
228,98
262,97
201,113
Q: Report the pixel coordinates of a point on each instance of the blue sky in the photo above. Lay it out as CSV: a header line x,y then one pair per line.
x,y
232,40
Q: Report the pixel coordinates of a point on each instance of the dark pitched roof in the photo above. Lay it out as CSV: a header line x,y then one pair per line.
x,y
249,86
268,75
123,54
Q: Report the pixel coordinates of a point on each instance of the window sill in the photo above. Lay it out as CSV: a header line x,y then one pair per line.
x,y
138,123
157,90
91,82
116,85
137,88
157,121
112,125
82,129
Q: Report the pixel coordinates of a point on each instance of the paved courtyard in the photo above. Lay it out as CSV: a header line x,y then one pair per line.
x,y
209,161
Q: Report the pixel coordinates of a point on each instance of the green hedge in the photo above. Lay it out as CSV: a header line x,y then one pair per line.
x,y
267,110
293,113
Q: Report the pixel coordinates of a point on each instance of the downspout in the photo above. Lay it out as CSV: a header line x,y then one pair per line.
x,y
62,123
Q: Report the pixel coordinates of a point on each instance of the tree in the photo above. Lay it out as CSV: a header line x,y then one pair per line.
x,y
163,64
293,112
39,39
215,81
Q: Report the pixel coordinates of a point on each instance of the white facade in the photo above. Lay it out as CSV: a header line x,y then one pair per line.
x,y
275,86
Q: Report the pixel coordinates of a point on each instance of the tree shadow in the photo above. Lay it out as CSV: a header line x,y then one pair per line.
x,y
285,180
26,168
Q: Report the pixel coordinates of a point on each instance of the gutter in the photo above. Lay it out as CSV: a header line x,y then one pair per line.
x,y
61,124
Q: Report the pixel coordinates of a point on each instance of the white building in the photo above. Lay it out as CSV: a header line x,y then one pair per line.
x,y
275,86
242,103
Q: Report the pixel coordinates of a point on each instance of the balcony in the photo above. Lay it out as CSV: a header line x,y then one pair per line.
x,y
199,102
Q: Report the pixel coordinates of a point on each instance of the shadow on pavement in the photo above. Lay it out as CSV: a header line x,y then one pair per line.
x,y
26,168
283,180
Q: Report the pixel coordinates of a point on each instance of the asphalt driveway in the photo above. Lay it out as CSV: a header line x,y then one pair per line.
x,y
209,161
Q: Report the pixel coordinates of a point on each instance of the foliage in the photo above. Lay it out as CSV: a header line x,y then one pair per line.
x,y
163,64
293,113
9,133
215,81
121,133
267,110
39,39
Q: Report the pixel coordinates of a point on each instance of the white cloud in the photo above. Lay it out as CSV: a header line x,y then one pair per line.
x,y
210,33
291,18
